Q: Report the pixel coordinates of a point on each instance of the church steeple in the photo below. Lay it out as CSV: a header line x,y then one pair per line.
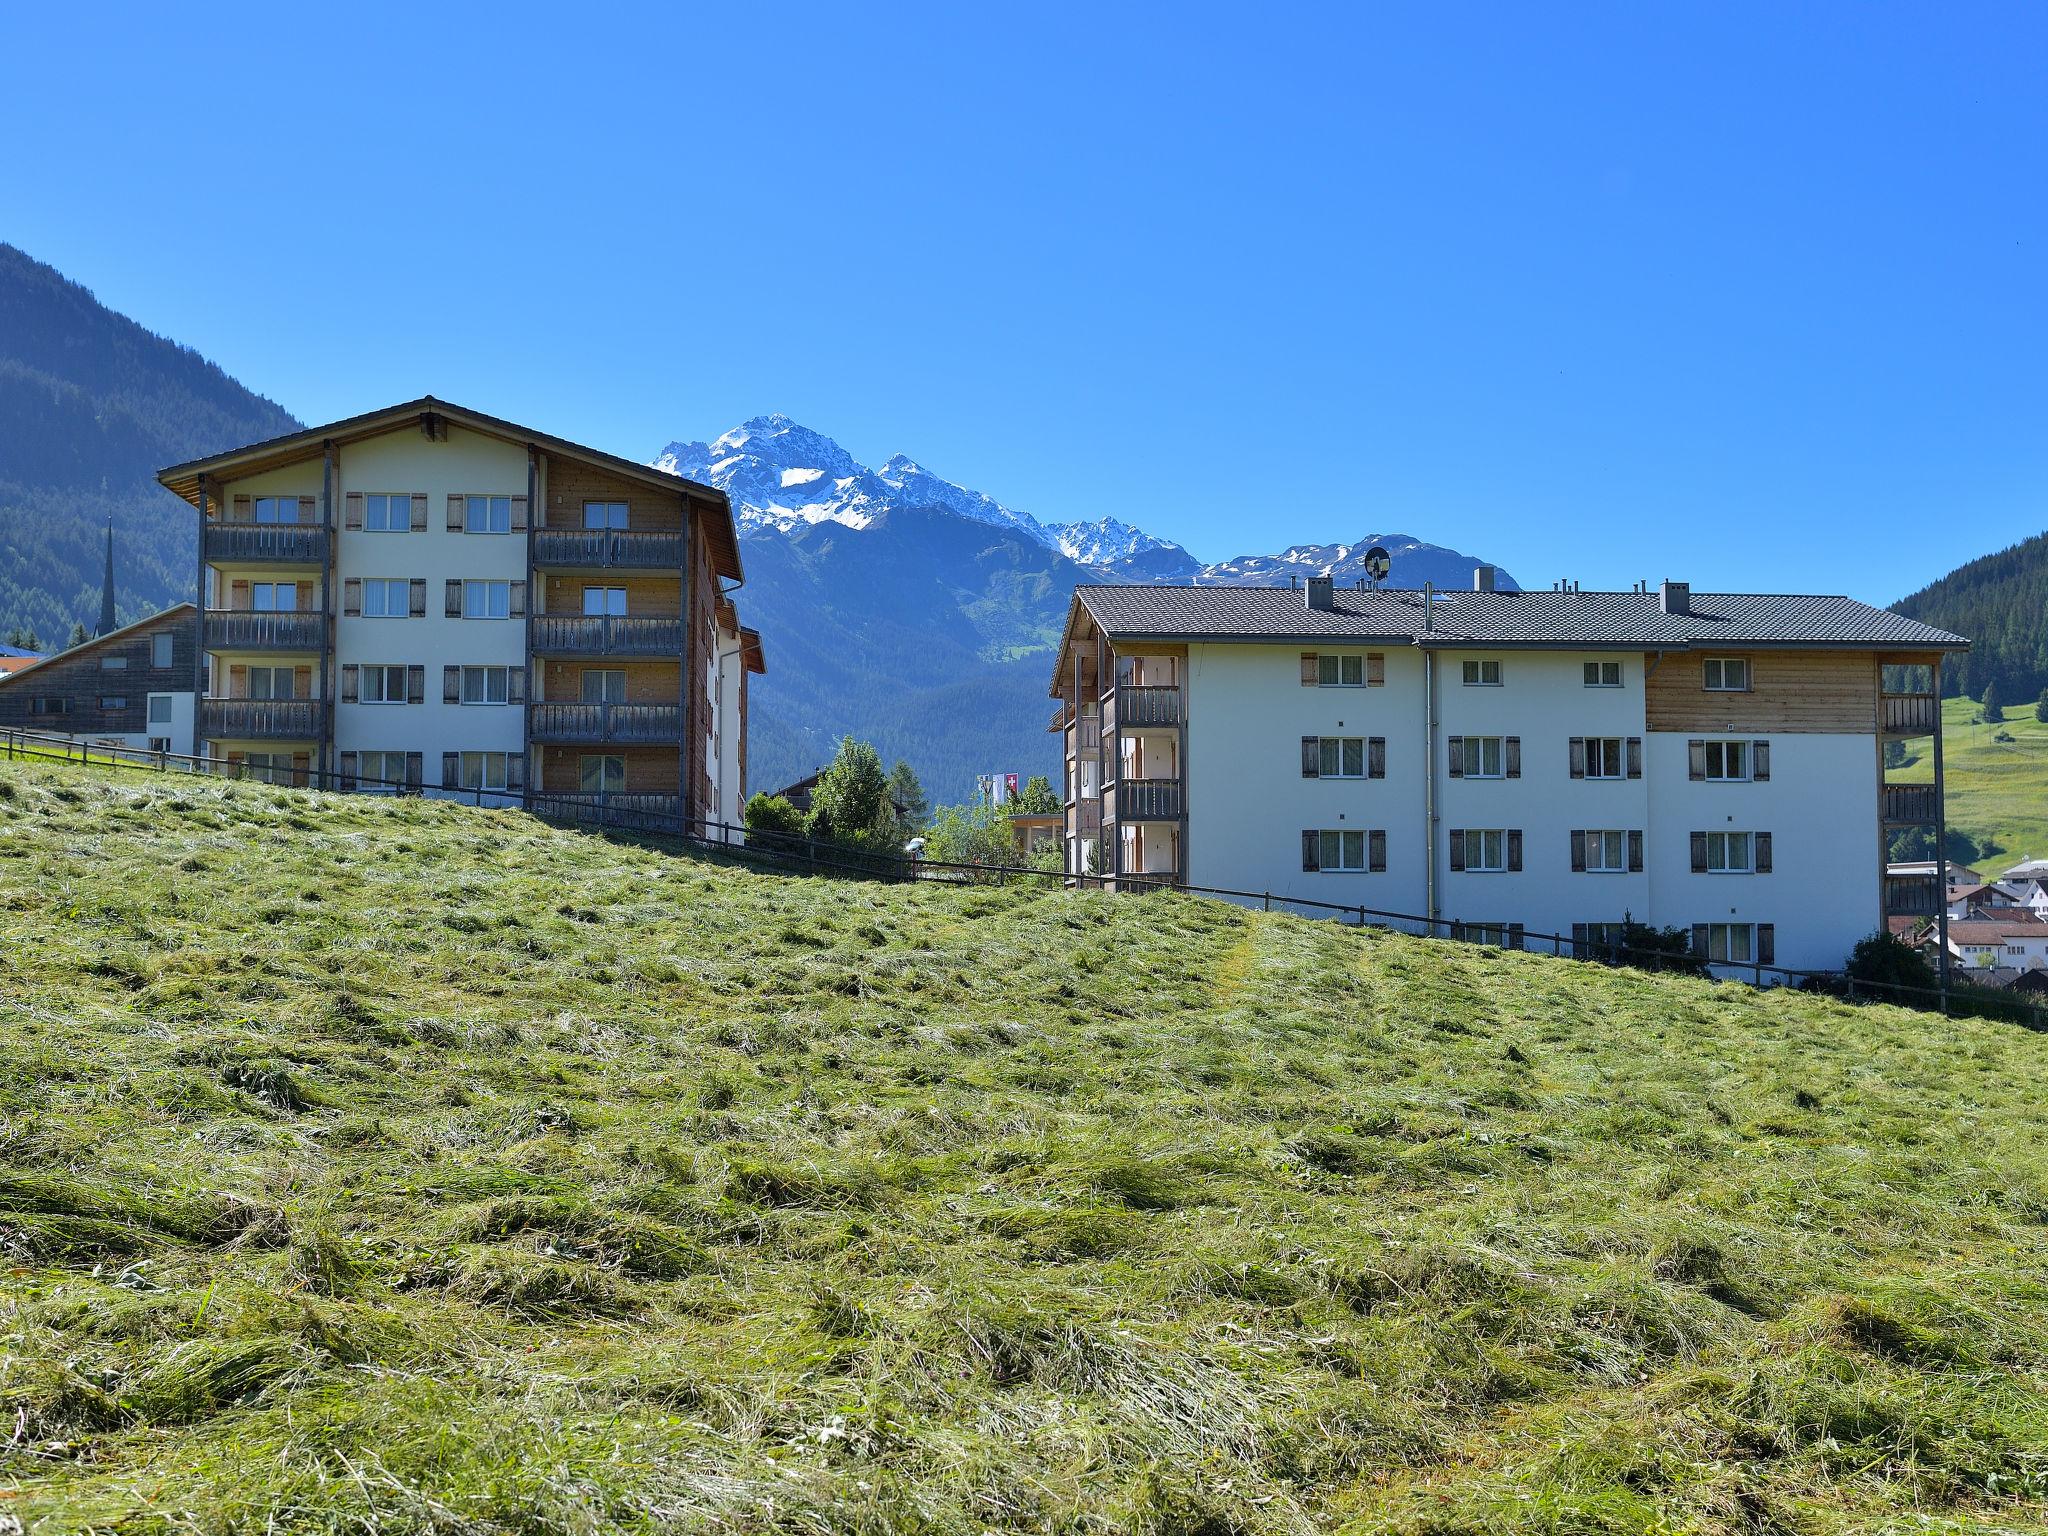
x,y
107,623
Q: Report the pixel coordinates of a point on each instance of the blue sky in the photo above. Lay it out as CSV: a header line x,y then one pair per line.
x,y
1751,295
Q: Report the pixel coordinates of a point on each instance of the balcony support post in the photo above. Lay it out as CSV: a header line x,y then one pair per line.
x,y
1940,843
329,473
199,624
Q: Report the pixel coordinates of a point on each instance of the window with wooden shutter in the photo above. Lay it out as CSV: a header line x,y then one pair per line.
x,y
1376,852
1635,853
1578,757
1760,761
1760,845
1516,935
416,512
458,507
1578,853
515,771
348,682
1696,759
1457,749
1699,940
1635,757
1514,757
1311,757
1376,757
416,685
1766,943
1457,847
515,685
415,770
452,600
352,597
352,511
1579,939
1375,670
1311,851
451,685
451,770
416,597
1309,674
518,608
1514,850
309,509
518,514
242,511
348,772
302,682
1699,853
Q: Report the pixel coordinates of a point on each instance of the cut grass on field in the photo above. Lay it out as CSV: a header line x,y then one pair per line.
x,y
392,1166
1995,788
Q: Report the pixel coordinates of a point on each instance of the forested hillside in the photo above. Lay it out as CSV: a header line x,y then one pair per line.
x,y
2000,602
91,406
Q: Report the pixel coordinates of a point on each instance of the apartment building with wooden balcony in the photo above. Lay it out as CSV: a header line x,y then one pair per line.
x,y
428,598
1510,763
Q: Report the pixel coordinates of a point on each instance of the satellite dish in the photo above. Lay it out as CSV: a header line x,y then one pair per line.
x,y
1377,563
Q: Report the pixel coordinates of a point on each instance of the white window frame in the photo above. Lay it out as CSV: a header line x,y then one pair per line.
x,y
270,673
1599,844
604,759
383,672
268,590
1721,748
604,693
606,597
1335,844
1476,841
386,765
1475,757
1481,672
1495,935
1340,669
494,510
1714,674
160,707
483,677
379,606
275,505
1596,755
1726,845
1722,943
1597,674
485,770
159,743
1333,749
113,703
392,505
606,511
487,596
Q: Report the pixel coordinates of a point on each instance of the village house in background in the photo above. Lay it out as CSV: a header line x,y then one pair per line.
x,y
429,598
1509,762
129,687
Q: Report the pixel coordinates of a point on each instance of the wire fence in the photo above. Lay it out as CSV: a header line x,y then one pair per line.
x,y
639,816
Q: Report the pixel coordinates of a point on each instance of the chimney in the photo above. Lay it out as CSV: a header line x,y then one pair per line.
x,y
1675,596
1482,578
1321,593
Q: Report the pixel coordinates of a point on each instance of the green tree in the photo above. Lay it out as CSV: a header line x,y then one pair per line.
x,y
851,803
79,636
772,815
1994,706
1883,961
913,809
1895,754
1036,798
970,834
2041,706
25,639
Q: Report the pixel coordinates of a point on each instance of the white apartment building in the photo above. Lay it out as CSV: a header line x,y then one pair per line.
x,y
1511,763
429,599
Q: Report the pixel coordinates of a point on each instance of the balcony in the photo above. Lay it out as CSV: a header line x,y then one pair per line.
x,y
625,723
241,631
265,543
607,549
1141,708
1087,817
1910,805
1087,737
608,635
1911,895
1908,714
262,719
1148,800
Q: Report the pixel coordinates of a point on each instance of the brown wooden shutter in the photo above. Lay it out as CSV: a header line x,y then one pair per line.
x,y
1635,853
1457,745
1761,843
451,685
238,596
352,511
1695,759
416,597
348,771
1457,848
516,607
1375,670
238,680
452,599
515,770
419,511
1376,852
349,682
1760,761
1308,669
416,685
1513,755
1376,757
1635,757
243,513
515,685
309,509
1578,853
458,506
451,770
1311,757
1766,943
1514,850
415,770
1699,853
1311,851
352,597
1579,939
1578,757
519,514
302,682
1516,934
1699,940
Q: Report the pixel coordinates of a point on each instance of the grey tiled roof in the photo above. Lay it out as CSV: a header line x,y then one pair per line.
x,y
1576,619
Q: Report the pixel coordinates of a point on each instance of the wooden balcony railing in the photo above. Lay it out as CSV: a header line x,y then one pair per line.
x,y
1908,714
607,548
607,722
238,631
1148,800
1911,805
262,719
609,635
1911,895
1087,736
1087,817
1141,707
266,543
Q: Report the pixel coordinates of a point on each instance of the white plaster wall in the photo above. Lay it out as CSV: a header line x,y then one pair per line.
x,y
728,794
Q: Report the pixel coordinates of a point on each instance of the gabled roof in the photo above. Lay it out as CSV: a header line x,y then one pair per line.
x,y
297,447
1985,930
87,647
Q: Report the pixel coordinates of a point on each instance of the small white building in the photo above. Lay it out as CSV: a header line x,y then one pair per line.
x,y
1986,943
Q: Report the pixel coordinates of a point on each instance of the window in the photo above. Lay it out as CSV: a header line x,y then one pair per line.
x,y
1340,671
1602,938
273,683
277,509
2015,949
1343,850
487,514
388,512
1606,852
1728,853
1728,761
382,685
1090,774
604,514
386,599
485,685
159,743
1603,674
1730,943
161,654
274,597
1499,935
1343,757
483,770
1604,757
113,701
1482,674
380,773
270,767
601,686
49,704
113,663
603,600
1484,758
601,774
1727,674
487,599
159,709
1485,850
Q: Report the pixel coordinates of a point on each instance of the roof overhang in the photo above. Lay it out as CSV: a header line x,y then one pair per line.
x,y
750,650
87,647
183,480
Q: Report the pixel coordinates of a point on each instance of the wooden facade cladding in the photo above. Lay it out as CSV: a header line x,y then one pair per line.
x,y
648,680
82,679
1790,692
571,484
650,770
653,597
